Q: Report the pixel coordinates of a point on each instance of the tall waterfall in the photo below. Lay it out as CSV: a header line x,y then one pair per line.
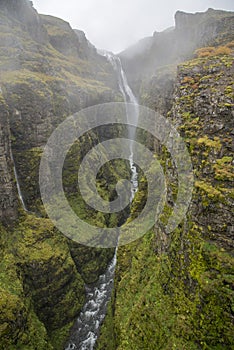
x,y
87,327
132,113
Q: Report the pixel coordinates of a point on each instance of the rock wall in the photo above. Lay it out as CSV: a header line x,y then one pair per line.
x,y
203,112
175,45
48,72
175,291
44,81
30,21
8,195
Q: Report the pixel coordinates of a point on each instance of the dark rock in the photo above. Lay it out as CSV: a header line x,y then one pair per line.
x,y
8,194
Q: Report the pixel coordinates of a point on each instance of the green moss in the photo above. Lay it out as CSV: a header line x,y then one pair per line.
x,y
60,336
164,302
224,169
207,188
176,291
19,323
41,288
90,262
106,339
206,141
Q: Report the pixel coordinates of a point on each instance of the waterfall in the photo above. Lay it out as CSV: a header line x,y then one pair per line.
x,y
132,113
87,327
17,183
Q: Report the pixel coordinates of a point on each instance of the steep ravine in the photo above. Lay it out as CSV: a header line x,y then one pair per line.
x,y
171,292
86,329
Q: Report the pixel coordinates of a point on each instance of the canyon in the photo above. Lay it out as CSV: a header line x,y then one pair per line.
x,y
169,291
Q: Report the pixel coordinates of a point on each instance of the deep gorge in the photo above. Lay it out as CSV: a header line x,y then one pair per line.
x,y
170,291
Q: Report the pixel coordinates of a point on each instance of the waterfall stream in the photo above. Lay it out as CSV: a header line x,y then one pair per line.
x,y
132,113
17,183
87,327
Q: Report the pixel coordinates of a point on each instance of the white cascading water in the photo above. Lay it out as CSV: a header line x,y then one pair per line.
x,y
132,113
17,183
87,327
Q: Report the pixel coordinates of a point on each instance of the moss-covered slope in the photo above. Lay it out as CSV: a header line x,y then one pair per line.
x,y
176,291
47,72
41,290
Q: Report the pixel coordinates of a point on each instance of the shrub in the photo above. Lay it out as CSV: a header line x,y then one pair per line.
x,y
204,51
214,51
222,50
230,45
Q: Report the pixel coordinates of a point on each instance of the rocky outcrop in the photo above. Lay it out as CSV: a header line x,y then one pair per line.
x,y
202,29
88,48
63,38
49,273
157,93
29,19
185,20
41,290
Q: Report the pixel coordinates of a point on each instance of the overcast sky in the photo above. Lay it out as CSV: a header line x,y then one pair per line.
x,y
116,24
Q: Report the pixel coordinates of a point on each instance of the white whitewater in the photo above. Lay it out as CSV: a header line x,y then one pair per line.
x,y
87,327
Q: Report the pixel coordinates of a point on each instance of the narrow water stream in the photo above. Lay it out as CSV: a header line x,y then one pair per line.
x,y
17,183
87,327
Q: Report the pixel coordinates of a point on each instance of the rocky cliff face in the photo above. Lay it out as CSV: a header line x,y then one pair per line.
x,y
23,11
44,78
48,72
172,46
68,41
203,112
175,291
8,195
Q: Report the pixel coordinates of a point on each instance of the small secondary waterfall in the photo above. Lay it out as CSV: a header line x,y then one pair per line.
x,y
87,327
17,183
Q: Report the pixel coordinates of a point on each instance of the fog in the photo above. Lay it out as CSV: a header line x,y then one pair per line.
x,y
116,24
